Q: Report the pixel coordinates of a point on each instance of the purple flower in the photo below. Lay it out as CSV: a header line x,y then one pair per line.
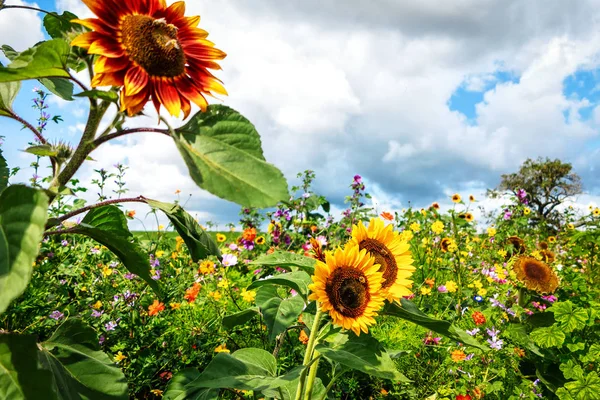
x,y
469,357
64,243
305,195
110,326
492,332
507,214
357,178
97,314
229,260
233,247
257,271
129,276
522,196
495,343
473,332
156,275
57,315
442,289
101,340
94,250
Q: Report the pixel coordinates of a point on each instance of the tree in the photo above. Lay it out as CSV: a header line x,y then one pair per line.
x,y
547,183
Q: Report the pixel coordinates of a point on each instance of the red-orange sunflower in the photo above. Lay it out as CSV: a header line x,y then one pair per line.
x,y
153,51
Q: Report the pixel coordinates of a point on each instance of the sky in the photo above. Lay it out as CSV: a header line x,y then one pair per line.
x,y
421,98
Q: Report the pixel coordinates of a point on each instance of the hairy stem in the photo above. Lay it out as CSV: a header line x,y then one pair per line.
x,y
37,133
106,138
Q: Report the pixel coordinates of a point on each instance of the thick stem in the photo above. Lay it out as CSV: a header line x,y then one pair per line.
x,y
334,378
312,374
308,355
522,294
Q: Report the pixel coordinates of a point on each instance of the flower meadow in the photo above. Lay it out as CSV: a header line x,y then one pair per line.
x,y
292,301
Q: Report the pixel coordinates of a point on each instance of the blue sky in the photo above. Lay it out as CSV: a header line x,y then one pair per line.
x,y
422,101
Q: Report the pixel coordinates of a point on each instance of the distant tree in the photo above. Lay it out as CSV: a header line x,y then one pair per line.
x,y
544,184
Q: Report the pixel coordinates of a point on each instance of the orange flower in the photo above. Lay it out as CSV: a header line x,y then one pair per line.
x,y
152,51
478,318
519,352
429,282
458,355
192,293
387,216
131,213
303,337
155,308
249,234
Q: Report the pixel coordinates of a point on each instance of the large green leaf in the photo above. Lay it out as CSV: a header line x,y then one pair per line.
x,y
551,336
108,226
568,316
199,243
8,93
298,281
60,26
585,388
23,214
278,313
239,318
410,312
363,353
181,387
61,87
20,374
3,173
285,259
80,368
288,391
223,153
44,60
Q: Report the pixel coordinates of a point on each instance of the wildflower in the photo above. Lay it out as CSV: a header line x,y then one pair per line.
x,y
157,392
430,340
456,198
425,291
155,308
207,267
469,217
473,331
570,227
522,196
192,293
223,284
447,245
260,240
303,337
442,289
155,274
161,227
429,282
249,234
64,243
387,216
551,239
526,211
130,213
471,198
478,318
229,260
221,238
457,355
175,306
437,227
507,214
519,352
248,295
216,295
222,348
348,286
106,271
491,231
110,326
97,314
596,212
415,227
451,286
120,357
463,397
435,205
516,245
495,343
56,315
535,275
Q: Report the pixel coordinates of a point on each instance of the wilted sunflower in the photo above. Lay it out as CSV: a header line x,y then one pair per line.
x,y
348,287
547,255
391,252
535,275
153,51
517,246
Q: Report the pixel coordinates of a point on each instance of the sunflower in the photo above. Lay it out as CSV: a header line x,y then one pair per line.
x,y
446,244
152,51
469,217
435,205
547,255
456,198
535,275
471,198
517,246
390,252
221,237
551,239
348,287
260,240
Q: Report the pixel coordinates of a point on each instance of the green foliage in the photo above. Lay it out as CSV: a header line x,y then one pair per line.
x,y
551,336
278,313
3,172
568,316
586,387
285,259
297,281
239,318
182,387
107,225
222,151
23,214
8,93
44,60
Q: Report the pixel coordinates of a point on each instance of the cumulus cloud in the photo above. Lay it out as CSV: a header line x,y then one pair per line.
x,y
12,22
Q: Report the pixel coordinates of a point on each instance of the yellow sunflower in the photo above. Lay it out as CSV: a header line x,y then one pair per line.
x,y
516,246
391,252
260,240
221,237
535,275
447,244
348,286
153,51
456,198
469,217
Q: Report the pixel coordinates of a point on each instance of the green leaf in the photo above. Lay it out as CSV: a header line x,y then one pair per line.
x,y
199,243
363,353
585,388
108,226
42,150
574,347
278,313
410,312
239,318
288,391
571,370
111,96
298,281
44,60
3,173
20,374
285,259
568,316
551,336
8,93
181,387
60,27
592,355
517,333
61,87
80,368
223,153
23,215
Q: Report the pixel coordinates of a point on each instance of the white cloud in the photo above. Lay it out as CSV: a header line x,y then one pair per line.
x,y
12,23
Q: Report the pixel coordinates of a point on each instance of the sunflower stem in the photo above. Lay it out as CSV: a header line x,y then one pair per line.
x,y
312,374
522,294
308,355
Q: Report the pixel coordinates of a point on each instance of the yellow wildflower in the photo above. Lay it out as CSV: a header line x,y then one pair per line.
x,y
159,253
120,357
425,291
175,306
97,305
437,227
491,231
415,227
107,271
222,348
248,295
451,286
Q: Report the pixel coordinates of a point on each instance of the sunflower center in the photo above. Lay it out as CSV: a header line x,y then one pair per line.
x,y
153,45
384,257
348,291
535,272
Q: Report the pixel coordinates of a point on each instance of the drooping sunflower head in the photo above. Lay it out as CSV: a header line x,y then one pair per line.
x,y
391,252
348,286
153,52
516,246
535,275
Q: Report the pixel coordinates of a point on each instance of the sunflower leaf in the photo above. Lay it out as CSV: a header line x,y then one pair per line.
x,y
278,313
198,242
239,318
8,93
45,60
297,281
181,387
223,153
410,312
3,172
285,259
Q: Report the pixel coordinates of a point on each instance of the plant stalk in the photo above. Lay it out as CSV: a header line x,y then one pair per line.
x,y
308,355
